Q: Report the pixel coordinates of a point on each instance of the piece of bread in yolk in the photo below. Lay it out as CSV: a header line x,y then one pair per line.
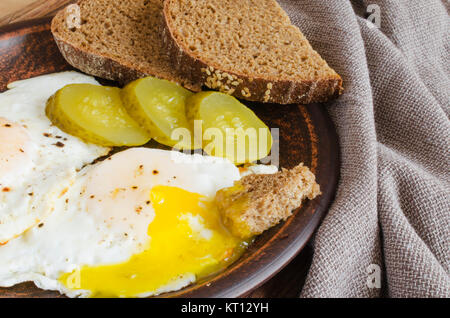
x,y
258,202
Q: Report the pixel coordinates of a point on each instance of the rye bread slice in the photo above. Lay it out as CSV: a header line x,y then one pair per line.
x,y
118,40
259,201
246,48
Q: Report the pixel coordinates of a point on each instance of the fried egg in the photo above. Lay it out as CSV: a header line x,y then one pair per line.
x,y
37,160
139,223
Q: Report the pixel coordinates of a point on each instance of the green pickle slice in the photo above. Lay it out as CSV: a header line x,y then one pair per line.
x,y
95,114
159,107
230,129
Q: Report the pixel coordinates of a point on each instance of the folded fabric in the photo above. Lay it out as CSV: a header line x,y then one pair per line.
x,y
391,215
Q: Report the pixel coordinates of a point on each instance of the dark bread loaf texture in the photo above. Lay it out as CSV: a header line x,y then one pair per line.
x,y
246,48
118,40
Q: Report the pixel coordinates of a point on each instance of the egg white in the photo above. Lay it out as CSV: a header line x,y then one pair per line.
x,y
46,162
81,214
96,222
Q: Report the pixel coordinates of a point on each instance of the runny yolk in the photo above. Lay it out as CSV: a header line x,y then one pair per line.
x,y
186,238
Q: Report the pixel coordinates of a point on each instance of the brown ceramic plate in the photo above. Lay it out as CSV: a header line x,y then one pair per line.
x,y
306,135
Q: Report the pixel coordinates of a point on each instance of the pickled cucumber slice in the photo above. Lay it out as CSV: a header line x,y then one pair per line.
x,y
159,107
230,129
95,114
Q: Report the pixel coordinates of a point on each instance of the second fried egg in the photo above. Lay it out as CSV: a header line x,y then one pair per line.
x,y
36,158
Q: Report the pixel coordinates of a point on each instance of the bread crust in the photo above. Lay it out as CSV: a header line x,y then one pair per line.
x,y
97,65
248,88
103,66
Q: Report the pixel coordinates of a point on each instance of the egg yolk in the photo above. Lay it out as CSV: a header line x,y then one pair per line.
x,y
186,238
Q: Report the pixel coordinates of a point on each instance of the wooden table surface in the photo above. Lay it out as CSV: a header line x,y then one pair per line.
x,y
289,281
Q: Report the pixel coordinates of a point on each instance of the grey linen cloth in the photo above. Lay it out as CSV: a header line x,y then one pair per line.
x,y
392,207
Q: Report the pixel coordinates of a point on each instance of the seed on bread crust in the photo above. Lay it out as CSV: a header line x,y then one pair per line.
x,y
265,52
